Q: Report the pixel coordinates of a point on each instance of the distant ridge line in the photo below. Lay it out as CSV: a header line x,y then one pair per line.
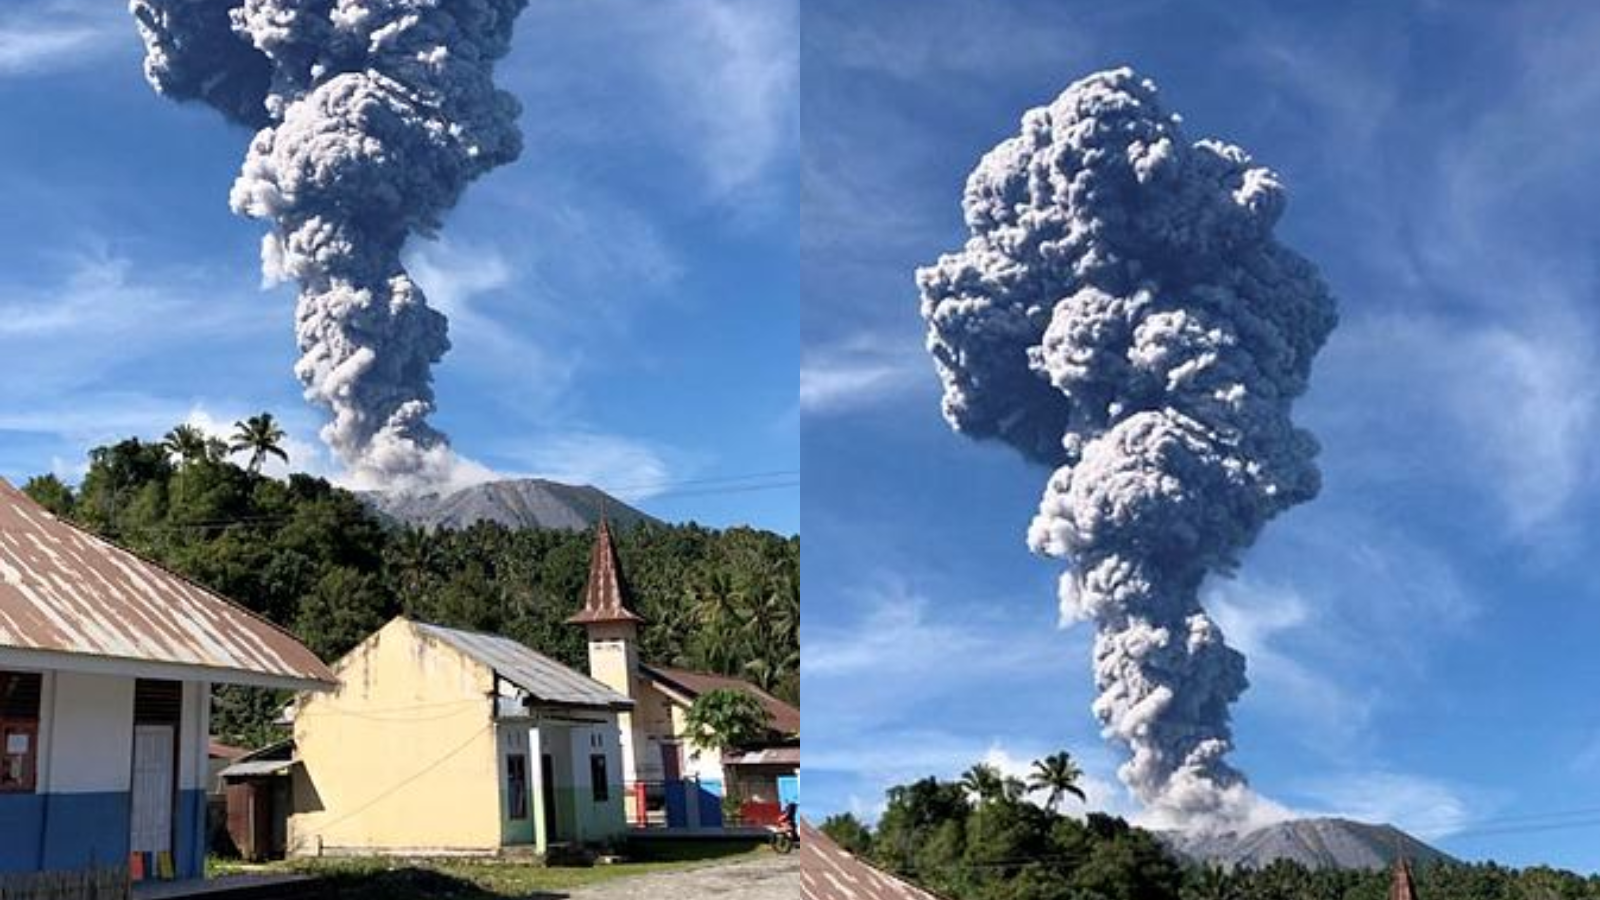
x,y
514,503
1318,843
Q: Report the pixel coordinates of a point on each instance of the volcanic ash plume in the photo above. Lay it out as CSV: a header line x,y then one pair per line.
x,y
374,115
1122,312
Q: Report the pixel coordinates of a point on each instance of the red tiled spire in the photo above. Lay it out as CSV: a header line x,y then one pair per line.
x,y
1402,888
604,598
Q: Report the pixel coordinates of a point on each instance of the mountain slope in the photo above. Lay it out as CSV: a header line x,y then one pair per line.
x,y
516,503
1314,843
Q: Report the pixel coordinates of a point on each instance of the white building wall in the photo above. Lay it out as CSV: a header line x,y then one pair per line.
x,y
90,734
701,763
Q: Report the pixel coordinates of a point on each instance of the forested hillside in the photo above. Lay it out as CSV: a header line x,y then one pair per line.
x,y
312,558
989,837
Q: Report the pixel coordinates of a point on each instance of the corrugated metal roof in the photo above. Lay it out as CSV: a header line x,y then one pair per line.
x,y
785,717
258,768
65,591
827,872
539,675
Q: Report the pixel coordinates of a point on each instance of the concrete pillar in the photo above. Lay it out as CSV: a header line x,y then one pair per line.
x,y
541,835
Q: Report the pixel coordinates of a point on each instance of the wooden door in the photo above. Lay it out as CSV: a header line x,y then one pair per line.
x,y
154,768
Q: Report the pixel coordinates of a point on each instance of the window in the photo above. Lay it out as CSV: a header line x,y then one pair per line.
x,y
19,731
597,777
517,786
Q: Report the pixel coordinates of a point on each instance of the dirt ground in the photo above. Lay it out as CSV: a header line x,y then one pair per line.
x,y
767,877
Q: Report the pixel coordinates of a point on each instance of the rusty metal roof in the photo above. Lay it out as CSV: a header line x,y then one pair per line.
x,y
827,872
605,597
69,599
539,675
785,717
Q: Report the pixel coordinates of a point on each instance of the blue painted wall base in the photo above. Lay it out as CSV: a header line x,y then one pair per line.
x,y
55,832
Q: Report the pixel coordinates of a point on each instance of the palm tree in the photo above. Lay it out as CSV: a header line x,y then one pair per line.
x,y
983,782
188,443
262,437
1059,775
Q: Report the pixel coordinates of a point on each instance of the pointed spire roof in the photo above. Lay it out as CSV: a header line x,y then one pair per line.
x,y
1402,888
605,598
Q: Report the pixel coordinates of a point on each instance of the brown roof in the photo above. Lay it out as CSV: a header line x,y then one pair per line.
x,y
65,591
765,756
605,597
690,684
827,872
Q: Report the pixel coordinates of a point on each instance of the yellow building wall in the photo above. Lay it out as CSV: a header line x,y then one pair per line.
x,y
402,757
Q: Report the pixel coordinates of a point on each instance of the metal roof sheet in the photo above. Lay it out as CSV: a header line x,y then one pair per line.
x,y
539,675
65,591
258,768
827,872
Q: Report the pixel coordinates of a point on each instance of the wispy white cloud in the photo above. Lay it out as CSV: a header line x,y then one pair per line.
x,y
902,641
1320,703
1501,408
740,72
859,372
1426,807
92,417
99,294
37,38
710,84
631,469
993,39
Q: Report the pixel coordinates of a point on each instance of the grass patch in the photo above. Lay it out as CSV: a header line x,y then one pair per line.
x,y
383,878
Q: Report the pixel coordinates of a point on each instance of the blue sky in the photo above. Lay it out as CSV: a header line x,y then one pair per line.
x,y
1420,638
623,299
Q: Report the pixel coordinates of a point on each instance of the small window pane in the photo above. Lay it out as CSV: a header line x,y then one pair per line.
x,y
517,786
597,777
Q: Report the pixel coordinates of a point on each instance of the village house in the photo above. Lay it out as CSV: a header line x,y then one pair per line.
x,y
672,780
439,741
106,667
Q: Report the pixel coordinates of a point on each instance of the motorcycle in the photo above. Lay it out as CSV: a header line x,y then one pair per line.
x,y
786,834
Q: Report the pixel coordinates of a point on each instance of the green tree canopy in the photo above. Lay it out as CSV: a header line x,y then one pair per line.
x,y
726,719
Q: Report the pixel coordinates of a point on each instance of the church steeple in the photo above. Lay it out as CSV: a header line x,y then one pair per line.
x,y
605,598
613,631
1402,888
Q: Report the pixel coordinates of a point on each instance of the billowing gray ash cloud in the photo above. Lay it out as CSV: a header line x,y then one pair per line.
x,y
373,117
1122,312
